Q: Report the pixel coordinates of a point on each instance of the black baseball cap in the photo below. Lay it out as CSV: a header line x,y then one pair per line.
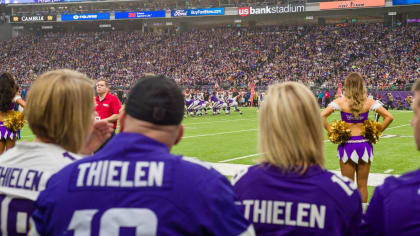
x,y
156,99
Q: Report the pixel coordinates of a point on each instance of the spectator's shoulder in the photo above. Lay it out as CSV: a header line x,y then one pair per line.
x,y
340,190
245,174
394,184
113,96
197,169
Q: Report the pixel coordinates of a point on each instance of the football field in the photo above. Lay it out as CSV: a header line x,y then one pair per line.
x,y
229,142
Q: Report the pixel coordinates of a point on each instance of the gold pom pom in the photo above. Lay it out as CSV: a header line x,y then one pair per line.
x,y
340,132
371,130
14,121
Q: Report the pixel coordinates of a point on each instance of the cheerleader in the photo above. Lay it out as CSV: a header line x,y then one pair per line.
x,y
10,122
356,153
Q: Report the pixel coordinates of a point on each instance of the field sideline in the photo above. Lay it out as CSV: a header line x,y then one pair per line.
x,y
229,142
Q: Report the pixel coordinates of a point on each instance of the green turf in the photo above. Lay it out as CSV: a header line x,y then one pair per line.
x,y
218,138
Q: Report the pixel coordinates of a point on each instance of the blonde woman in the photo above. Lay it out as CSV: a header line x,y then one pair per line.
x,y
59,111
290,192
356,154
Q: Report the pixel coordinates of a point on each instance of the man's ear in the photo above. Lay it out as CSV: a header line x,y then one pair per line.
x,y
123,116
180,134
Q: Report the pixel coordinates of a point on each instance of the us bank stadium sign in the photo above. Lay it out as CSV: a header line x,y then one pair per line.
x,y
290,8
44,18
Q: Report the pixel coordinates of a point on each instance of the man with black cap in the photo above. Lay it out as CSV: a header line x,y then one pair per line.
x,y
134,186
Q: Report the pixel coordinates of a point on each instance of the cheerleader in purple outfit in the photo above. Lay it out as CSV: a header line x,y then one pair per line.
x,y
8,90
356,154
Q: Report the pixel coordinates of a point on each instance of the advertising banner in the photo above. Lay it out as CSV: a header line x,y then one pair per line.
x,y
351,4
18,1
231,11
290,8
44,18
47,1
90,16
140,14
198,12
413,20
405,2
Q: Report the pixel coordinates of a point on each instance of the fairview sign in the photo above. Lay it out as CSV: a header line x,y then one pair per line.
x,y
290,8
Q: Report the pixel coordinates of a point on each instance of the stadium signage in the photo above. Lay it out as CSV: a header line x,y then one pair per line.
x,y
198,12
179,13
32,18
290,8
413,20
351,4
93,16
405,2
140,14
18,1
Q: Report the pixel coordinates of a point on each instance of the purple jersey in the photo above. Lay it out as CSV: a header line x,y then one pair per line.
x,y
214,99
201,102
395,207
316,203
134,186
189,102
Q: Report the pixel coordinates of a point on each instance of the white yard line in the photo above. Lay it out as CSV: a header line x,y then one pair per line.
x,y
399,126
239,158
215,134
228,169
245,130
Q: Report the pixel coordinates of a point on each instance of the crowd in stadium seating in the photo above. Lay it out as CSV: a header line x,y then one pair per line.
x,y
202,201
314,55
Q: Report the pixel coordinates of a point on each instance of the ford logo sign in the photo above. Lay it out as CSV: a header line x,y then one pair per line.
x,y
180,13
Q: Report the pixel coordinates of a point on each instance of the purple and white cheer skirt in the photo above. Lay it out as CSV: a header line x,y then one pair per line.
x,y
356,148
6,133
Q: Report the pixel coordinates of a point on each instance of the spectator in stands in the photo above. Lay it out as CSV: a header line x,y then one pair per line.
x,y
356,154
8,133
60,114
291,191
318,56
393,209
148,189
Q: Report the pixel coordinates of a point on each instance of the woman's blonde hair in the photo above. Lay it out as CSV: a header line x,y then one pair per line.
x,y
355,91
59,108
290,129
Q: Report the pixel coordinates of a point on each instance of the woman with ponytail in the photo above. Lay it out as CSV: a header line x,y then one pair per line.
x,y
356,153
8,91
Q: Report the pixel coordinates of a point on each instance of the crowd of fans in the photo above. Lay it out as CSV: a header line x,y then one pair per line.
x,y
226,57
